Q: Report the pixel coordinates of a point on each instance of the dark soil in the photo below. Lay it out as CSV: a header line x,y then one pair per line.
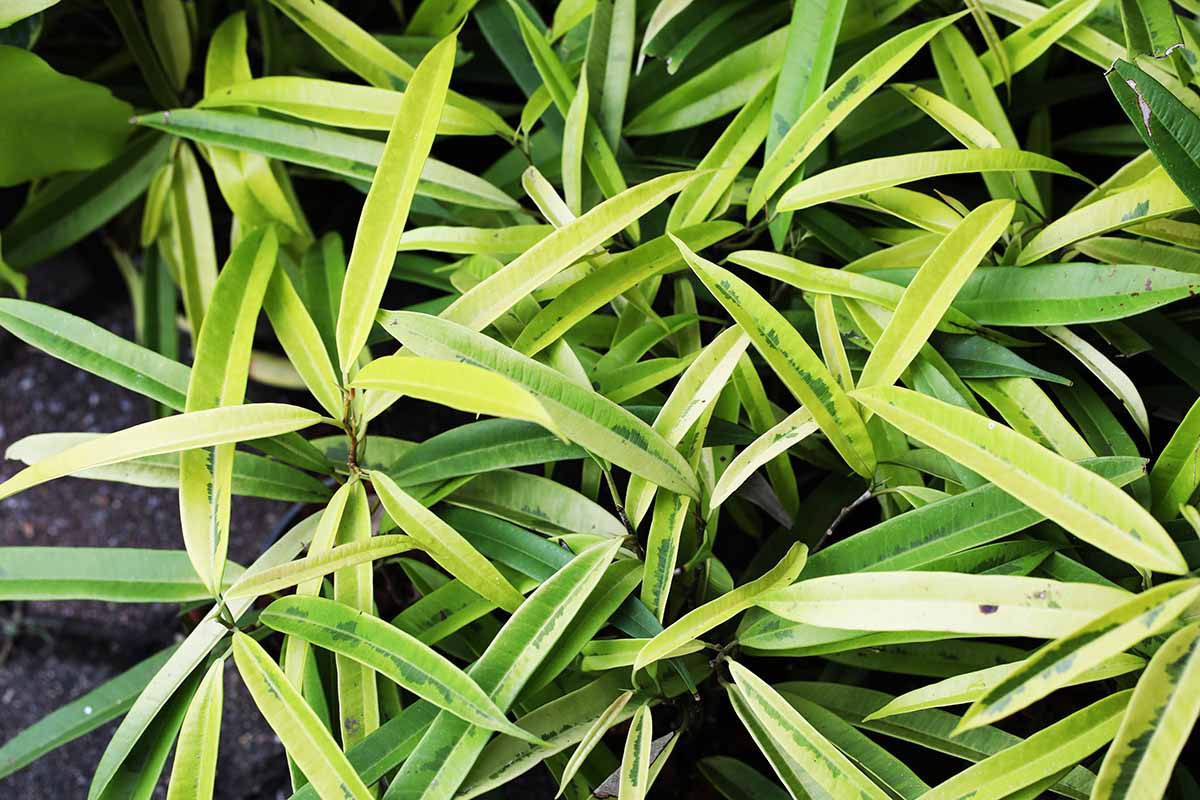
x,y
51,653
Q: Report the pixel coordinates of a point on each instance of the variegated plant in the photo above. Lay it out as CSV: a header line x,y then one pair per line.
x,y
901,438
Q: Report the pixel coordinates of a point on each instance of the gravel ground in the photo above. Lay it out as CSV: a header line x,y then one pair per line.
x,y
51,653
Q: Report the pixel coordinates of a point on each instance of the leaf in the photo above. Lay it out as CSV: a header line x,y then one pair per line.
x,y
444,544
1156,725
1063,294
987,605
624,272
836,103
457,239
804,760
171,434
342,105
301,340
54,122
724,608
390,652
736,780
1174,477
572,150
488,300
218,379
1054,748
440,763
1084,504
1148,199
354,157
458,385
297,726
194,770
1109,373
778,440
805,376
72,206
970,686
538,503
386,208
583,416
302,570
112,574
635,763
878,173
479,447
88,346
1055,665
1165,124
106,702
592,737
727,85
932,290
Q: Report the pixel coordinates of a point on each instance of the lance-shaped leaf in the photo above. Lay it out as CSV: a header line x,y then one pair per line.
x,y
391,652
171,434
806,762
304,737
343,105
1051,750
828,111
1176,473
800,369
1082,502
313,566
580,414
1148,199
998,605
878,173
112,574
625,271
715,612
931,291
471,241
1167,126
194,771
970,686
592,737
695,392
488,300
220,371
445,545
1062,294
794,428
440,763
386,208
301,340
1156,727
1103,368
635,761
454,384
1058,663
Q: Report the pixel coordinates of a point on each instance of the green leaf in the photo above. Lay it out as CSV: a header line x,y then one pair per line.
x,y
582,415
444,544
1055,665
54,122
386,208
488,300
987,605
804,760
458,385
171,434
1054,748
302,570
878,173
112,574
724,608
106,702
595,732
805,376
736,780
480,447
836,103
302,342
390,652
793,429
931,291
1156,726
635,762
1083,503
219,374
1174,477
194,770
307,741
